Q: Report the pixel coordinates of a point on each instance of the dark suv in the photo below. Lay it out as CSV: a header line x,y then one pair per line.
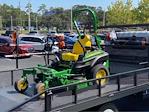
x,y
131,39
129,46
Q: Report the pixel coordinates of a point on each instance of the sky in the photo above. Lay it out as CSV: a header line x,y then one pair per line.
x,y
66,4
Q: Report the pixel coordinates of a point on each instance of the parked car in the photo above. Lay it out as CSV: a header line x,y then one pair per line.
x,y
70,40
7,47
8,33
67,33
130,47
34,32
52,33
37,41
52,45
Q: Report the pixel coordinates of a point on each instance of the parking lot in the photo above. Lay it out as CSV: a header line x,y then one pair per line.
x,y
9,64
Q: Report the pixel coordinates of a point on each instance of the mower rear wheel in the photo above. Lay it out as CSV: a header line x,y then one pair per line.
x,y
21,85
40,89
99,71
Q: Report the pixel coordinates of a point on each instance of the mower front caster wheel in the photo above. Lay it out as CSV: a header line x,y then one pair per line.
x,y
21,85
40,89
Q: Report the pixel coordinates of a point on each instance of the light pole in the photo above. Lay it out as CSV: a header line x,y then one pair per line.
x,y
29,15
104,15
71,21
29,19
20,17
104,18
36,23
1,26
11,22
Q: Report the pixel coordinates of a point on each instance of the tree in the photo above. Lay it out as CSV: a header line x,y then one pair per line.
x,y
143,9
55,19
100,14
120,13
128,12
42,9
28,7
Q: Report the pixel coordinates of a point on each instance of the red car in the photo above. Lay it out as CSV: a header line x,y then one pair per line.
x,y
7,47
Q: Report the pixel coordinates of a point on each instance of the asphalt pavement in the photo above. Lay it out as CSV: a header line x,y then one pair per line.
x,y
9,64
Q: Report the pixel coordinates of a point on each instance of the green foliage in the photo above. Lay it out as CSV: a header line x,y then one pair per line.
x,y
143,11
119,12
124,13
42,9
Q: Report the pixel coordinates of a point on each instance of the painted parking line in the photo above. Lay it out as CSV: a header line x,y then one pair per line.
x,y
3,58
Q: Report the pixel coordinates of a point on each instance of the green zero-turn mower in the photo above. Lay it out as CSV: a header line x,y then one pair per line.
x,y
82,63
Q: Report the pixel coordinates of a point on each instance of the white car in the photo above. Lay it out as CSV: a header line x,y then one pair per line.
x,y
37,41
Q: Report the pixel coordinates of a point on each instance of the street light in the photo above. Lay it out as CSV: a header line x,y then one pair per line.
x,y
11,22
71,21
36,23
104,18
29,19
20,17
104,15
29,16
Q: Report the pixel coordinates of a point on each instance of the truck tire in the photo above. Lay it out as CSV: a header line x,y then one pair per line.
x,y
99,71
109,107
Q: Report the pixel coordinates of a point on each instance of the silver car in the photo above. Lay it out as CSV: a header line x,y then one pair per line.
x,y
37,41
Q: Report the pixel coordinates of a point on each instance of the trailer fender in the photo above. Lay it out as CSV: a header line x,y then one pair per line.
x,y
108,107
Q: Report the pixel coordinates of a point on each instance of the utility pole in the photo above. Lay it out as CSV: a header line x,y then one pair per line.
x,y
29,20
71,21
1,26
11,22
29,16
104,15
36,23
104,18
20,17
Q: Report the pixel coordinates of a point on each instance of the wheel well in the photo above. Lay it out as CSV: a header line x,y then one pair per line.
x,y
107,106
99,60
91,69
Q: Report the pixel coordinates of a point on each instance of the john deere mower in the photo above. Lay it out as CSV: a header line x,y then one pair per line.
x,y
82,63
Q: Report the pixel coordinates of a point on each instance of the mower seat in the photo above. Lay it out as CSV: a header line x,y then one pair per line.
x,y
78,49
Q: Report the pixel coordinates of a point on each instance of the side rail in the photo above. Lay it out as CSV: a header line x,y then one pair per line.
x,y
10,76
120,85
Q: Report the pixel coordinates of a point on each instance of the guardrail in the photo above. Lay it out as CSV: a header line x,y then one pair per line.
x,y
17,56
118,77
47,53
